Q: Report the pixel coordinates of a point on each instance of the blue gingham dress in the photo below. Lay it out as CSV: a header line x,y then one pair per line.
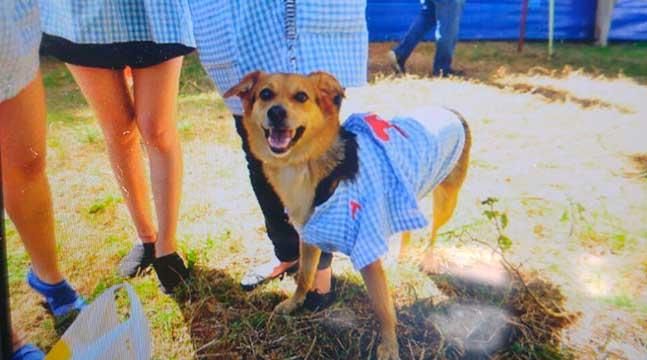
x,y
235,37
399,162
19,41
115,21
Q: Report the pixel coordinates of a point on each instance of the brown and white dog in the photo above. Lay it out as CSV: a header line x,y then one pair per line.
x,y
293,127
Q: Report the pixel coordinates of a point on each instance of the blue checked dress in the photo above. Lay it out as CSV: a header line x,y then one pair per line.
x,y
19,41
399,162
115,21
235,37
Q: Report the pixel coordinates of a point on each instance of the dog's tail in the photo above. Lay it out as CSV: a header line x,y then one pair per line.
x,y
468,133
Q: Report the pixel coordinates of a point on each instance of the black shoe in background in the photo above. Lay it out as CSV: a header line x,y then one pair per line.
x,y
140,257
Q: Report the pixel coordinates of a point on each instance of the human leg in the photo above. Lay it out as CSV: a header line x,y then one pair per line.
x,y
27,195
107,93
448,13
424,21
25,186
155,97
283,235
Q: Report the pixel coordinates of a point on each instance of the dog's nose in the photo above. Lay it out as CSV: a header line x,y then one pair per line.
x,y
277,114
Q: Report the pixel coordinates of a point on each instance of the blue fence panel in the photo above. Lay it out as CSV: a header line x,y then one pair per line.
x,y
499,19
629,20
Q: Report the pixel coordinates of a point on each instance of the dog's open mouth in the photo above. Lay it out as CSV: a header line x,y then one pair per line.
x,y
281,140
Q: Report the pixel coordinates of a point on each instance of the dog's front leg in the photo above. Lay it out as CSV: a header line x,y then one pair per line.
x,y
378,291
308,262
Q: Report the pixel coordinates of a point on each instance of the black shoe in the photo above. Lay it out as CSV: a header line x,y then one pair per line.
x,y
316,302
140,257
396,64
171,272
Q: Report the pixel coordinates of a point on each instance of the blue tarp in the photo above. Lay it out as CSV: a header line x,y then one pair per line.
x,y
499,19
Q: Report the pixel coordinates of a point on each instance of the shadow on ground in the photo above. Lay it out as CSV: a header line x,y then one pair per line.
x,y
477,321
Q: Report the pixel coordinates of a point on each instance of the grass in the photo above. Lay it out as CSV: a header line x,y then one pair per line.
x,y
482,60
551,142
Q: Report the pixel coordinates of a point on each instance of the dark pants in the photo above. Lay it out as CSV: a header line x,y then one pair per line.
x,y
282,234
445,17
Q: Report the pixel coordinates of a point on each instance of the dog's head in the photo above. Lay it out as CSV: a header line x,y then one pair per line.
x,y
288,117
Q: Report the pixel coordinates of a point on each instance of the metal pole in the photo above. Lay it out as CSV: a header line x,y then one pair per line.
x,y
522,25
551,26
6,345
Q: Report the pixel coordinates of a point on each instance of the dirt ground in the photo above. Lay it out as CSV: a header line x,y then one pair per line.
x,y
562,150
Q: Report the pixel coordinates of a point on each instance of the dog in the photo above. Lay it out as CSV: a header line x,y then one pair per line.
x,y
342,185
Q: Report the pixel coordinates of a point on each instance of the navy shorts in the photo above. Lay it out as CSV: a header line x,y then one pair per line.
x,y
134,54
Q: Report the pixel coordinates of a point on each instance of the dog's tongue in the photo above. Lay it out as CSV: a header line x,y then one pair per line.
x,y
280,138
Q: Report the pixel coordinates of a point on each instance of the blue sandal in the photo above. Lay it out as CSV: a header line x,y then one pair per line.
x,y
62,300
28,352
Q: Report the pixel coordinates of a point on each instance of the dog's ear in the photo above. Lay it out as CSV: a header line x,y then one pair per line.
x,y
244,88
329,89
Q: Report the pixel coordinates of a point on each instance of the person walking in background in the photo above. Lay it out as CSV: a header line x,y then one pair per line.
x,y
97,40
603,15
445,17
235,37
25,186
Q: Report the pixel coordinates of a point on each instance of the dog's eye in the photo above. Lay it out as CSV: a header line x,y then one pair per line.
x,y
266,94
301,97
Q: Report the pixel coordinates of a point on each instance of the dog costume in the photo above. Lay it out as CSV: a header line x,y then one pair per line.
x,y
399,162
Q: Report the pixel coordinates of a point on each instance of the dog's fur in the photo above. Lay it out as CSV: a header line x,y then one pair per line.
x,y
306,172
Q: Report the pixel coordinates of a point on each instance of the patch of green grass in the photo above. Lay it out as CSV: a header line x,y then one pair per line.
x,y
9,228
537,351
57,77
90,135
186,129
63,116
17,265
104,203
626,302
193,78
167,318
104,284
483,58
627,58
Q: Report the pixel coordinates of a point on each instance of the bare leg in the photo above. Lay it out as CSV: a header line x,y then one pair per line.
x,y
107,93
378,292
25,186
322,281
155,92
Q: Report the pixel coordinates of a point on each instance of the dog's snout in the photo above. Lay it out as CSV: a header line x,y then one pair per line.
x,y
277,114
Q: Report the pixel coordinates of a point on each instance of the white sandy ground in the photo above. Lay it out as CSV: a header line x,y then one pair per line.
x,y
540,158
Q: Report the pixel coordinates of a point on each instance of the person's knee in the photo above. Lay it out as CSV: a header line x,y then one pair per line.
x,y
157,135
28,167
123,137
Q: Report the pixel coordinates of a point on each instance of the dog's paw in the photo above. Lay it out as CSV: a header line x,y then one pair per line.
x,y
286,306
388,351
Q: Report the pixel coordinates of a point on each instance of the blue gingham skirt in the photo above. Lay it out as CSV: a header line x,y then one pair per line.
x,y
235,37
114,21
19,40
